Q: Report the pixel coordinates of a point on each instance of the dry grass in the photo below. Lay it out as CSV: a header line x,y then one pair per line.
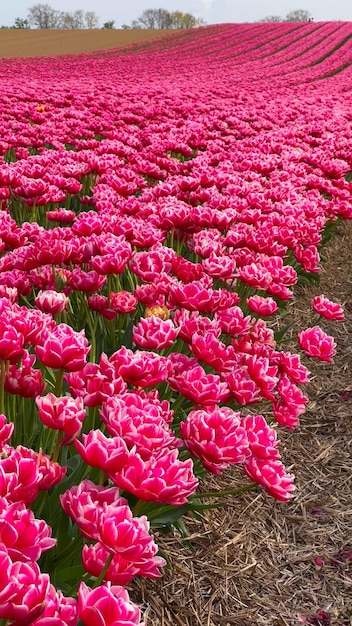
x,y
253,562
30,43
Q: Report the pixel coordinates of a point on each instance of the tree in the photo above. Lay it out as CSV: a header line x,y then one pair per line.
x,y
110,25
21,24
272,18
44,16
161,19
72,21
299,15
91,20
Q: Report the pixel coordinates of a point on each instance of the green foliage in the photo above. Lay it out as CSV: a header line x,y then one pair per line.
x,y
161,18
109,25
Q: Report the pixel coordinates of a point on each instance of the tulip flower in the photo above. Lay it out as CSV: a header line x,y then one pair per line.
x,y
108,605
63,348
316,343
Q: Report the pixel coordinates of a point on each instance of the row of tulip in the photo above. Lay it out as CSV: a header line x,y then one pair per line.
x,y
150,238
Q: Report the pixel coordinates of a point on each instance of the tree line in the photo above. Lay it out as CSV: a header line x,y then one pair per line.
x,y
299,15
43,16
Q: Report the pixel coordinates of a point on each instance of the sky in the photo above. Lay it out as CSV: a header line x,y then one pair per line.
x,y
212,11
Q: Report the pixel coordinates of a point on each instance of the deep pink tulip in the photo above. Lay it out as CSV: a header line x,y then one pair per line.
x,y
25,380
140,424
140,369
270,473
63,348
23,598
100,304
262,439
108,453
216,436
262,306
50,473
11,341
328,309
163,478
6,430
122,570
108,605
64,413
50,301
24,536
153,333
58,610
316,343
85,502
19,476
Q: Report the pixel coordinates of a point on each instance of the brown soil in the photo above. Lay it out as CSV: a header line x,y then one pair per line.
x,y
30,43
254,561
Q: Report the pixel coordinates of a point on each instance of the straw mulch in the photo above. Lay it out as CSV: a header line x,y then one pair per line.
x,y
257,561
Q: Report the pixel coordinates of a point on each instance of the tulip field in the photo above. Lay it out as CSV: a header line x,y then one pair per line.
x,y
160,205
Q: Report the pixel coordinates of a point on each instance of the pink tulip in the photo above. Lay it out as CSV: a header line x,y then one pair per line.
x,y
308,257
207,348
190,323
216,436
262,439
65,414
58,610
108,605
270,473
140,369
63,348
316,343
95,382
19,476
108,453
50,301
232,321
290,364
328,309
123,301
162,478
139,424
50,473
262,306
122,570
11,341
153,333
24,536
121,533
23,597
6,430
85,502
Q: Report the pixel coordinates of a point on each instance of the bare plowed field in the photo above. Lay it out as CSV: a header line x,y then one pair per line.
x,y
28,43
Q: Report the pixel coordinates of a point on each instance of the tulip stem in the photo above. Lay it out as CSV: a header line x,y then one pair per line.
x,y
226,492
2,385
59,381
59,439
100,578
102,477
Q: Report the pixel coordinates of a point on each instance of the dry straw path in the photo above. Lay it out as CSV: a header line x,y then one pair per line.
x,y
266,563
